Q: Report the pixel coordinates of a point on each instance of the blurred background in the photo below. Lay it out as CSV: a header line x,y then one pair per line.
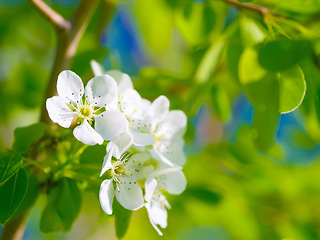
x,y
250,176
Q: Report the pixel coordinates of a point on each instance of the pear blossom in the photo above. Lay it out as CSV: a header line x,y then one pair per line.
x,y
123,175
94,106
168,128
131,105
170,179
167,179
157,211
122,79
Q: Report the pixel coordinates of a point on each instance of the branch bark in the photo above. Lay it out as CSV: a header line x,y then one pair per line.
x,y
69,34
55,18
15,229
250,6
67,44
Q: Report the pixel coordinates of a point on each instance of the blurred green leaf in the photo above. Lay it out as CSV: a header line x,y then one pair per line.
x,y
195,20
9,165
121,219
221,103
278,55
50,220
204,194
157,30
264,95
82,60
210,61
234,51
93,155
91,160
292,89
63,207
249,68
12,193
251,31
24,137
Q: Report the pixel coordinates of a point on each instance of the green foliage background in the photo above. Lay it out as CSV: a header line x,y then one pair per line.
x,y
247,76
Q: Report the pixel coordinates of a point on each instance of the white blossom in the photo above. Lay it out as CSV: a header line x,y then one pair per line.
x,y
124,174
131,105
168,128
169,179
95,107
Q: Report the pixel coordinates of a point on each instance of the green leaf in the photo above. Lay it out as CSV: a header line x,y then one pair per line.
x,y
50,220
121,219
12,194
93,155
63,207
210,61
221,103
233,53
91,160
251,32
30,197
264,95
24,137
292,89
204,194
282,54
249,67
9,165
195,21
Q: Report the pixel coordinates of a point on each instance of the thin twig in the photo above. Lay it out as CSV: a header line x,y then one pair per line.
x,y
249,6
55,18
68,42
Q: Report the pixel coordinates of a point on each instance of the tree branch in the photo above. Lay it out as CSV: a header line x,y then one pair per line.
x,y
14,229
250,6
55,18
68,42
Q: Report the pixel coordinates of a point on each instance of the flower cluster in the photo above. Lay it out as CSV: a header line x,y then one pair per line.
x,y
145,140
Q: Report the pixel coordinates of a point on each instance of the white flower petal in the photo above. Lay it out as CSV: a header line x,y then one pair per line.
x,y
110,124
173,181
157,211
158,110
106,165
123,142
123,80
150,186
106,195
130,102
116,148
170,151
129,195
157,155
151,217
59,112
97,68
173,125
70,86
142,139
102,91
86,134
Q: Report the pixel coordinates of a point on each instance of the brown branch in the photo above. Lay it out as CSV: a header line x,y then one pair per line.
x,y
249,6
14,229
68,42
55,18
